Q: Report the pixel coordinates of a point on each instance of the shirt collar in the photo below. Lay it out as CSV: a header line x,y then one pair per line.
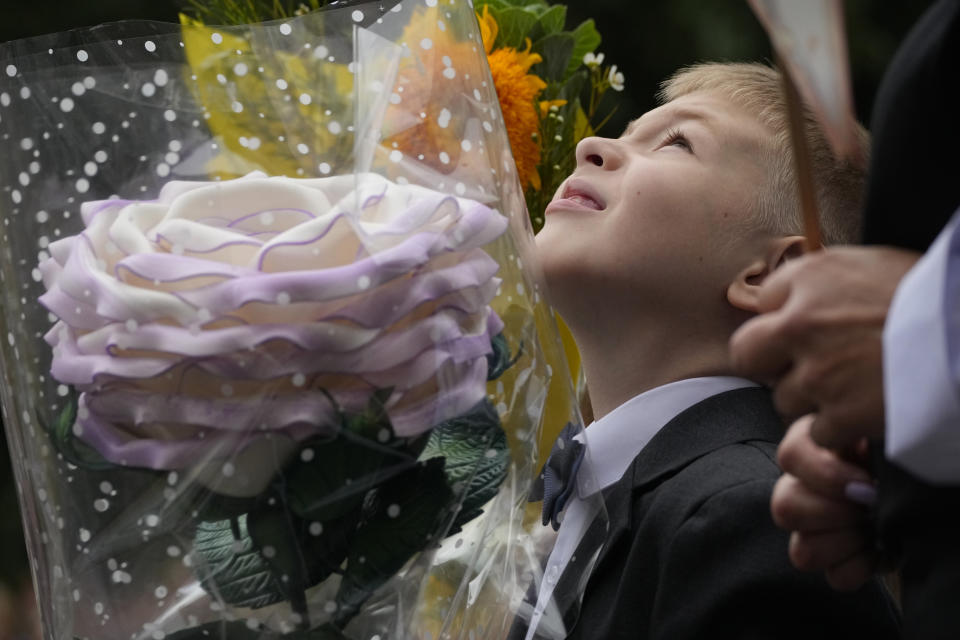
x,y
614,440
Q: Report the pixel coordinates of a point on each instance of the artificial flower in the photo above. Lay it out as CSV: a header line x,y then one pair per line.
x,y
222,313
285,478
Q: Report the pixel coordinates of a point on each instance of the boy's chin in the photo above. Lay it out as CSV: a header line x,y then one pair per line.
x,y
559,253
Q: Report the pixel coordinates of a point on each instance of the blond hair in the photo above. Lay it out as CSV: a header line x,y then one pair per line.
x,y
840,184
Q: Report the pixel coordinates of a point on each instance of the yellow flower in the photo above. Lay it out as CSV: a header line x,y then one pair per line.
x,y
426,91
517,90
427,123
489,29
256,124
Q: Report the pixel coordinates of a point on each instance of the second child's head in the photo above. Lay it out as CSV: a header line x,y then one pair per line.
x,y
675,224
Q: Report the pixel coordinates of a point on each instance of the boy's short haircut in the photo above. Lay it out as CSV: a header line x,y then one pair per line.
x,y
840,184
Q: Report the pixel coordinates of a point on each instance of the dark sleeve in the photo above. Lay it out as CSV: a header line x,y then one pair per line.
x,y
912,189
920,525
726,572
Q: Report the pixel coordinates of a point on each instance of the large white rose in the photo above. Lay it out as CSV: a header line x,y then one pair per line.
x,y
195,325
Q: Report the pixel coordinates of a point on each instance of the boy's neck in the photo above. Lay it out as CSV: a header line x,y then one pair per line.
x,y
619,370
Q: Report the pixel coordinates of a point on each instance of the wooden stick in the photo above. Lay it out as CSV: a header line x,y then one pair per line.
x,y
802,161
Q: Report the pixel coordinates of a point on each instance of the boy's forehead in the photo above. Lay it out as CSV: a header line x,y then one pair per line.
x,y
722,116
670,112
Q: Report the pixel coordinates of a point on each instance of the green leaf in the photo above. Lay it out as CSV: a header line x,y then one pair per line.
x,y
68,416
476,453
299,531
572,88
556,50
335,481
330,477
586,39
236,568
273,532
369,422
549,20
495,7
553,19
581,125
516,24
498,361
326,547
402,518
231,566
66,442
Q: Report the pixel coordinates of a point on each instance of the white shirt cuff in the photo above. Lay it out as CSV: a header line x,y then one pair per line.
x,y
922,402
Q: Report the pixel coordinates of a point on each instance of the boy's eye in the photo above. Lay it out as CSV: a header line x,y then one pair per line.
x,y
676,138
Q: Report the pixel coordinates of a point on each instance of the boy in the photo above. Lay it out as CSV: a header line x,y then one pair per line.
x,y
654,251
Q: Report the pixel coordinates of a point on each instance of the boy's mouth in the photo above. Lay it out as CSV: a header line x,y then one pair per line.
x,y
577,194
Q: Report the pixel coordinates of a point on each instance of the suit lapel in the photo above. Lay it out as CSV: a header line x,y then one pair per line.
x,y
727,418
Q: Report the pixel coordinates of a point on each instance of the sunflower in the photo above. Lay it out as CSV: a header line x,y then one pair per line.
x,y
431,137
517,91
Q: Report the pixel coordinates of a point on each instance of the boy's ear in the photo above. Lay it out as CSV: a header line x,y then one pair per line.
x,y
745,289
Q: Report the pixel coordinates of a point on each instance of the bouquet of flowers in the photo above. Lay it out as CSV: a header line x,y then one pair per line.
x,y
267,345
550,84
559,100
550,81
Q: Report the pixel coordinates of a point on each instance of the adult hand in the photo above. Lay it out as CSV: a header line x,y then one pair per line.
x,y
818,340
814,500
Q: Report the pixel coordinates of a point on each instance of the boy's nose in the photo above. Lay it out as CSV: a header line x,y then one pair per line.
x,y
600,152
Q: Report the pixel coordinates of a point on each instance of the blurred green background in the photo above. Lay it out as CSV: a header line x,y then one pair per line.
x,y
646,39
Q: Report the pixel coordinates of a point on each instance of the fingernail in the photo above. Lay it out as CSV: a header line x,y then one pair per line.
x,y
861,493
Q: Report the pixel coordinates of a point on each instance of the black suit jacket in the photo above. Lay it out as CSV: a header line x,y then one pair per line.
x,y
913,187
692,551
913,191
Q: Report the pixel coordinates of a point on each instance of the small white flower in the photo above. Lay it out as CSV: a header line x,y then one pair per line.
x,y
593,60
615,78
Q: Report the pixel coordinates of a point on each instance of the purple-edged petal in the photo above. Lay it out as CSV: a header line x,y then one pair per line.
x,y
198,323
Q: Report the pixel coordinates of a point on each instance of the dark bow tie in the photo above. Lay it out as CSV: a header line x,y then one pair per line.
x,y
557,479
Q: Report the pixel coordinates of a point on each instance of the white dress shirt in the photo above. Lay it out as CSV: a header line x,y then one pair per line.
x,y
612,443
921,364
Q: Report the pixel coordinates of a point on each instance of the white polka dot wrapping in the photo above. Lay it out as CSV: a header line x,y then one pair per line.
x,y
271,358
